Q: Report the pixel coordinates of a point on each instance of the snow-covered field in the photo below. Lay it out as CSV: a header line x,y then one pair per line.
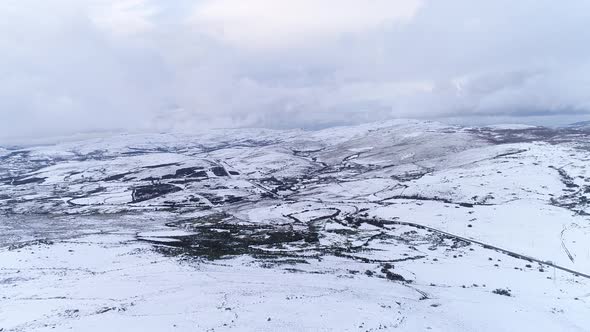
x,y
402,225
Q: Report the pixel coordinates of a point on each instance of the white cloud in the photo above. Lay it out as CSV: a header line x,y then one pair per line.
x,y
82,65
288,23
123,18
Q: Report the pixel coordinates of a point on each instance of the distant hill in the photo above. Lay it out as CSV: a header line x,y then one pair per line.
x,y
582,124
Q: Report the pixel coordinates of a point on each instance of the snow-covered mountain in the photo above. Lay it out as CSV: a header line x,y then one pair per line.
x,y
402,224
581,125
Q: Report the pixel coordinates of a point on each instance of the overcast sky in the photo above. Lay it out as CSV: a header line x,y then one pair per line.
x,y
69,66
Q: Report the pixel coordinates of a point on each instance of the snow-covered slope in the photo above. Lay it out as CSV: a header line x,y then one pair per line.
x,y
402,224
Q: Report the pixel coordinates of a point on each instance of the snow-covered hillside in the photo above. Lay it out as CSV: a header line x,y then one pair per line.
x,y
402,224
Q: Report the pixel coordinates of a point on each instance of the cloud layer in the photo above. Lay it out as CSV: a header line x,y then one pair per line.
x,y
269,24
76,66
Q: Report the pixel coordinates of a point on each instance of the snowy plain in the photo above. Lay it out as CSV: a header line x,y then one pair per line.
x,y
401,225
